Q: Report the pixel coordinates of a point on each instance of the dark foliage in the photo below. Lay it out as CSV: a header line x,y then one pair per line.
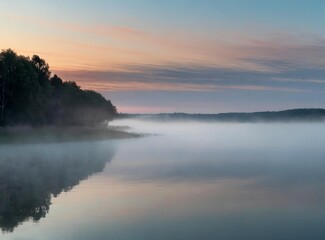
x,y
29,95
293,115
29,179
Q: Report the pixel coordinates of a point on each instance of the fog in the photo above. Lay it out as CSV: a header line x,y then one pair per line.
x,y
280,155
31,174
181,180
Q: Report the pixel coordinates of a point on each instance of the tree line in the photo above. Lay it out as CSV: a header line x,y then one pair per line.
x,y
29,181
30,95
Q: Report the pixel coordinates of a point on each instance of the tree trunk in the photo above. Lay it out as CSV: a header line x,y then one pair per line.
x,y
3,102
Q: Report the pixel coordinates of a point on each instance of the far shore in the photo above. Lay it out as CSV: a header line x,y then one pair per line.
x,y
51,134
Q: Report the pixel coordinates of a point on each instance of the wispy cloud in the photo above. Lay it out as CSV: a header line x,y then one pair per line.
x,y
123,58
256,65
190,78
109,46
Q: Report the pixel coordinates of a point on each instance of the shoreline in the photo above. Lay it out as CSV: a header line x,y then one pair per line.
x,y
49,134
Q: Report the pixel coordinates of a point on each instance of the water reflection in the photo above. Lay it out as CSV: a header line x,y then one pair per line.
x,y
192,181
31,174
272,167
281,160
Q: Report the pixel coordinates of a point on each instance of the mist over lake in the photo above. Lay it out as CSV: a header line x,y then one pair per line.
x,y
185,180
162,120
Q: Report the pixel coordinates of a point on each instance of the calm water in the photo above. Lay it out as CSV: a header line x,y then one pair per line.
x,y
190,181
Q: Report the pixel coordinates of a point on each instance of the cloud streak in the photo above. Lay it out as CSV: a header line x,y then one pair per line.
x,y
173,78
140,52
109,46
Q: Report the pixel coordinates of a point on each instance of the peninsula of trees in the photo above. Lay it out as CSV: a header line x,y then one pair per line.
x,y
29,95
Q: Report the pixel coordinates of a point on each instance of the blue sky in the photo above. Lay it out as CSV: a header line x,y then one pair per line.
x,y
179,56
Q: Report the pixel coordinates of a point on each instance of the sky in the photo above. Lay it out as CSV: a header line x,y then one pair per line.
x,y
195,56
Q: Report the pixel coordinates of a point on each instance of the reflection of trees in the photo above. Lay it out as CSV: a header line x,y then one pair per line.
x,y
31,174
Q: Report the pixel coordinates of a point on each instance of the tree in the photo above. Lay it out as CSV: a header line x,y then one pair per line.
x,y
8,64
28,95
73,106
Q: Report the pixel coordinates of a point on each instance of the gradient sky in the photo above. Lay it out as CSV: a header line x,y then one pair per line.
x,y
178,55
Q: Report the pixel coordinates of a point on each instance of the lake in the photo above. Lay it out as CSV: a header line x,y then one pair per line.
x,y
187,180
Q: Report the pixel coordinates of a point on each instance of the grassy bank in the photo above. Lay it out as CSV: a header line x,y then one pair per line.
x,y
60,134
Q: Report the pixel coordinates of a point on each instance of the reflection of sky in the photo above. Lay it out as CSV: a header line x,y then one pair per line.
x,y
227,181
219,55
30,174
213,151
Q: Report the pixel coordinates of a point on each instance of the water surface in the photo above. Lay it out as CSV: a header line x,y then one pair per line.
x,y
190,180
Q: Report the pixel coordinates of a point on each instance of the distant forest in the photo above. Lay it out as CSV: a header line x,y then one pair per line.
x,y
29,95
292,115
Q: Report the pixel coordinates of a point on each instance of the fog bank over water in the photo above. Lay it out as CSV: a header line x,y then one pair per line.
x,y
278,156
31,174
184,180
